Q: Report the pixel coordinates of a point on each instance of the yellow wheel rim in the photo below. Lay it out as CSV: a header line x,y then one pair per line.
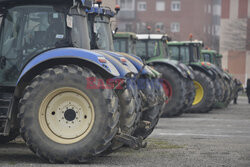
x,y
199,93
66,115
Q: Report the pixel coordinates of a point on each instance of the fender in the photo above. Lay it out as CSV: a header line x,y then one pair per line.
x,y
120,57
227,76
64,54
212,67
217,70
122,69
138,63
210,73
170,63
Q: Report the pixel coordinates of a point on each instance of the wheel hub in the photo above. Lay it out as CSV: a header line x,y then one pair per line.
x,y
66,115
70,115
199,93
167,89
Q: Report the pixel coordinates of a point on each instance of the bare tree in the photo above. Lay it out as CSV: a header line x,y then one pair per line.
x,y
234,34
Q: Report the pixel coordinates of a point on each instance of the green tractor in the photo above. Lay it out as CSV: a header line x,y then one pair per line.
x,y
211,56
125,42
176,77
215,59
209,80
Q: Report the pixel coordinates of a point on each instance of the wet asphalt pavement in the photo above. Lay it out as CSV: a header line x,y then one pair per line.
x,y
220,138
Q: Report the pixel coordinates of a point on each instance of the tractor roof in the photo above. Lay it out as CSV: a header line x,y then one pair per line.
x,y
9,3
125,35
209,51
150,36
196,42
105,11
212,51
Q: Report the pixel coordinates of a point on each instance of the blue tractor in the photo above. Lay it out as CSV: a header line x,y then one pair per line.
x,y
64,99
150,91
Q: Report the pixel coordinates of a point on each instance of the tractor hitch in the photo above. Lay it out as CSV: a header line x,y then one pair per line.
x,y
131,141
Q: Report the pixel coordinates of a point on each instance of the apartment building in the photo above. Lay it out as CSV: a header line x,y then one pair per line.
x,y
235,37
178,18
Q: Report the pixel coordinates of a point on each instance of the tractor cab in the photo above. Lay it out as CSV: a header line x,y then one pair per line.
x,y
208,56
211,56
185,51
125,42
29,29
100,28
151,46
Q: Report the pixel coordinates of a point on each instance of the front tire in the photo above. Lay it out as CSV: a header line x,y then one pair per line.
x,y
190,95
205,93
62,120
174,88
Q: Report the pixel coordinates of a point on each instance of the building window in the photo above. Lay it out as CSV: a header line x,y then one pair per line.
x,y
126,4
217,30
160,6
142,6
204,29
205,8
128,27
141,27
175,27
159,26
176,6
217,10
208,29
209,9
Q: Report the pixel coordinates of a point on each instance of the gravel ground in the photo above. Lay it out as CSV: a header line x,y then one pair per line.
x,y
220,138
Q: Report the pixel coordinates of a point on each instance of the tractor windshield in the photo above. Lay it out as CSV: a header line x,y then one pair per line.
x,y
25,32
103,33
148,48
195,51
29,30
125,45
179,53
206,57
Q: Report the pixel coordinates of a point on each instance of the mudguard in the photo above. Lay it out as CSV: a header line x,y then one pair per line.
x,y
204,69
186,73
138,63
227,76
121,59
217,70
92,58
122,69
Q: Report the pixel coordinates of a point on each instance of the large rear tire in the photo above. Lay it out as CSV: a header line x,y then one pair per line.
x,y
129,107
231,92
205,93
190,95
218,90
62,120
174,87
151,115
